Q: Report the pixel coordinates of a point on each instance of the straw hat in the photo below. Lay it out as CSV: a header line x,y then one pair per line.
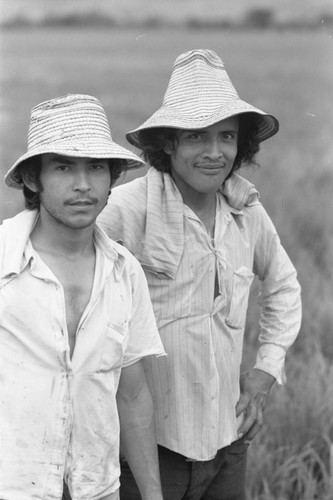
x,y
200,94
71,125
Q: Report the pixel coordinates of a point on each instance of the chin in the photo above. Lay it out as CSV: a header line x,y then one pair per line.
x,y
81,224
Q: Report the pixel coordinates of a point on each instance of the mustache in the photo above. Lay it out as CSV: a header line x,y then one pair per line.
x,y
82,200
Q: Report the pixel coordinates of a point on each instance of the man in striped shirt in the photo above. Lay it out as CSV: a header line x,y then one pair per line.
x,y
201,235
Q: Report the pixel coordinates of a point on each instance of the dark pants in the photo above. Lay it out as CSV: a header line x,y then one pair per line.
x,y
66,495
222,478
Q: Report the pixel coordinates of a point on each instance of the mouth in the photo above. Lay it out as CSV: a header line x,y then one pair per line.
x,y
81,203
211,168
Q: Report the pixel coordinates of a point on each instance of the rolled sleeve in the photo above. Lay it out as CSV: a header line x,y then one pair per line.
x,y
280,300
144,339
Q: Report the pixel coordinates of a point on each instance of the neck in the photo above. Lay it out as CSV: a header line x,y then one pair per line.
x,y
199,202
52,237
205,203
204,207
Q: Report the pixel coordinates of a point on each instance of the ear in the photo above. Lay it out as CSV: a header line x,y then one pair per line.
x,y
28,177
168,148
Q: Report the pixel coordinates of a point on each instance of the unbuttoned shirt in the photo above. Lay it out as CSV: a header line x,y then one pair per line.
x,y
58,416
196,387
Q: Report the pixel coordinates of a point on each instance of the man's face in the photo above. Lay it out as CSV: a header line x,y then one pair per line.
x,y
74,190
202,159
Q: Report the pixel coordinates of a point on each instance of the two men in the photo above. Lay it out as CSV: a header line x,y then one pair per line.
x,y
75,320
201,235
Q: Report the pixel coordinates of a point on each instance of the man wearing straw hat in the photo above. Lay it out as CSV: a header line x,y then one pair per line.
x,y
75,320
201,235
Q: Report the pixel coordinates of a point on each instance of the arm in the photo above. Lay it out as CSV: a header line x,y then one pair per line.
x,y
279,323
279,299
137,434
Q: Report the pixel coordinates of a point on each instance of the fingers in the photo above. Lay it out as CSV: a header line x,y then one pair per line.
x,y
253,418
253,431
249,433
254,386
241,405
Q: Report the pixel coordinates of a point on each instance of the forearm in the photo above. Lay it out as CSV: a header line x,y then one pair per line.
x,y
279,326
279,298
138,442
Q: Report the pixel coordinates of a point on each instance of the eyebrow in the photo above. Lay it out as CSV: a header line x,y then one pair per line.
x,y
68,161
205,131
61,159
195,130
230,130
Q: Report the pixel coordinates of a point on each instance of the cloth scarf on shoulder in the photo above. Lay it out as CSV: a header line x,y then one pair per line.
x,y
147,215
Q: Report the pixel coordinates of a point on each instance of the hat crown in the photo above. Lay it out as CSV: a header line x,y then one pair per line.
x,y
71,125
72,121
200,94
199,83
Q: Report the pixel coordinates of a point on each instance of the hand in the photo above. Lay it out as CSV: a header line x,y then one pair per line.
x,y
254,386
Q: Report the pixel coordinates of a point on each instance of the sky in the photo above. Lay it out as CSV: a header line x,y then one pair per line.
x,y
170,9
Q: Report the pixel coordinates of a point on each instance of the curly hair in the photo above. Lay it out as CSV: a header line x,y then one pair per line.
x,y
34,166
152,142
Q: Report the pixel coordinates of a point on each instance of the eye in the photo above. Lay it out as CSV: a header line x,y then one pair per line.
x,y
98,166
229,136
61,168
195,136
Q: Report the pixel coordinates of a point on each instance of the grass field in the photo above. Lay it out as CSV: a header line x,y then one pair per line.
x,y
288,74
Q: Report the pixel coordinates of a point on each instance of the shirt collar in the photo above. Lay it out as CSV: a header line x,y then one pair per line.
x,y
111,250
16,233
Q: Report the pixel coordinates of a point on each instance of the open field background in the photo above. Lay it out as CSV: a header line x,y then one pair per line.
x,y
288,74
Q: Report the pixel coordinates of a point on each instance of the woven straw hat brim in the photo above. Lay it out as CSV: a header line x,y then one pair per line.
x,y
101,151
71,125
166,117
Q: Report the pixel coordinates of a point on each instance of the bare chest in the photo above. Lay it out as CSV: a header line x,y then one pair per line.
x,y
77,281
76,278
77,294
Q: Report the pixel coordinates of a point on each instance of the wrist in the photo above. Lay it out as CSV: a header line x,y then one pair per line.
x,y
265,380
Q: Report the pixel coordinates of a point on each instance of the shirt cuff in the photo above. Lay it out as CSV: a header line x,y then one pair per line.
x,y
130,360
270,359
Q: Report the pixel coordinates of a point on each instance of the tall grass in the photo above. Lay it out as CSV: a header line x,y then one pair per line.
x,y
289,74
290,459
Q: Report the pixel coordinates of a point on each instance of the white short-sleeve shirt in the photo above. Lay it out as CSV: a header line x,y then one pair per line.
x,y
58,416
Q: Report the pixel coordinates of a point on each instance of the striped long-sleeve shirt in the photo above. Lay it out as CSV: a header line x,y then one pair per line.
x,y
196,387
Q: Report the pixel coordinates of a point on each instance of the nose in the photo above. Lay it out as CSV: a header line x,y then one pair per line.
x,y
214,148
81,180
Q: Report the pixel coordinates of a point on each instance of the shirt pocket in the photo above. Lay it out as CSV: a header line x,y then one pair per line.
x,y
114,347
241,284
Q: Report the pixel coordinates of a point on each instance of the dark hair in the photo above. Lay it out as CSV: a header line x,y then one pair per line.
x,y
152,142
34,166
